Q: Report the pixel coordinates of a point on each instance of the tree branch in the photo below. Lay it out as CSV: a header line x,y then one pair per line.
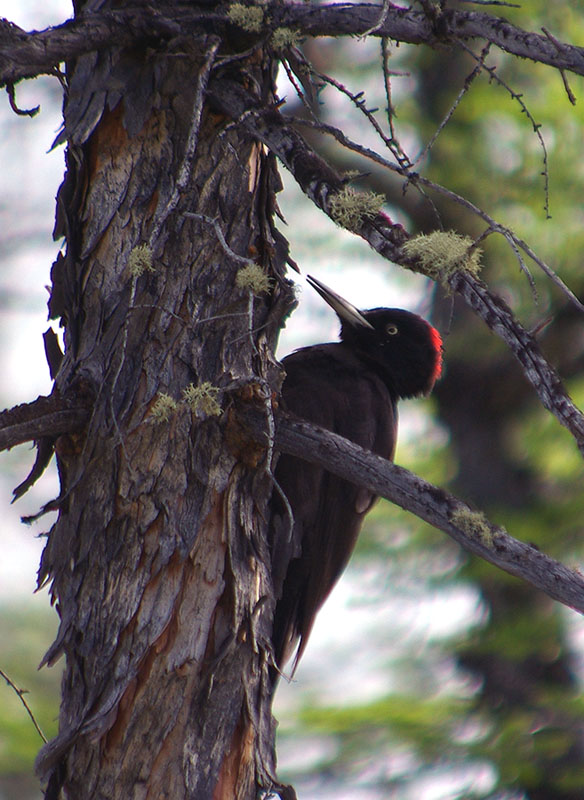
x,y
434,505
20,694
26,55
46,416
321,183
50,416
405,25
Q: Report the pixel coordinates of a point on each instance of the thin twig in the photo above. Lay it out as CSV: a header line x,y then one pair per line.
x,y
569,92
185,170
269,458
377,25
297,88
492,3
493,75
21,693
118,370
359,102
561,49
244,54
465,88
221,237
239,259
419,181
404,160
21,112
522,265
250,330
190,323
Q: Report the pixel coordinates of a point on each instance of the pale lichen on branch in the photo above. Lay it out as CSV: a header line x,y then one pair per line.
x,y
250,18
254,279
473,523
441,253
349,208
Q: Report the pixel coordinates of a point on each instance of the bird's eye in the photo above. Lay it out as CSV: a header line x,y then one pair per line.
x,y
391,329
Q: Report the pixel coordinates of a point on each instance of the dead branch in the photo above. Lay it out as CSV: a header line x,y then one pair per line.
x,y
44,417
49,416
320,183
421,183
408,25
27,55
20,694
434,505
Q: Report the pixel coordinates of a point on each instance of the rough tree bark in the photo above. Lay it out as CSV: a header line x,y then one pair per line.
x,y
159,559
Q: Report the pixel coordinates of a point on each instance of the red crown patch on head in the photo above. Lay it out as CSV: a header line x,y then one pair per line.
x,y
437,343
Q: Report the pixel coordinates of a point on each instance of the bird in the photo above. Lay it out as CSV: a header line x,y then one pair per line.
x,y
351,387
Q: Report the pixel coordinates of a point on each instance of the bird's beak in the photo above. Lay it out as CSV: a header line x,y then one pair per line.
x,y
345,311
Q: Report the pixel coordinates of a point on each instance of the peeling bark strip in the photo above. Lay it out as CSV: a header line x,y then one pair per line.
x,y
26,55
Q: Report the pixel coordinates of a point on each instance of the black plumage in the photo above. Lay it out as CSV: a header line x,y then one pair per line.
x,y
352,388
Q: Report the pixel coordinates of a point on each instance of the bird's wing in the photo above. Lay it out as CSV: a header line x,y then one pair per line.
x,y
326,386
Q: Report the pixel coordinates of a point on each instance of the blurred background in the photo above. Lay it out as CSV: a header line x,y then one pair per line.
x,y
429,675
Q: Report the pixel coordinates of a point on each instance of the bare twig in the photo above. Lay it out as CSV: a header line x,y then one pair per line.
x,y
377,25
21,693
192,323
185,170
221,237
21,112
250,328
358,101
492,3
569,92
466,86
521,261
560,47
493,75
403,159
297,88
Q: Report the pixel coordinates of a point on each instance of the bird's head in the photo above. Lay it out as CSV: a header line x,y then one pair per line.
x,y
401,346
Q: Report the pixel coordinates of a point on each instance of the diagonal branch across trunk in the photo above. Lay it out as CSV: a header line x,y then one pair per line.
x,y
321,183
468,527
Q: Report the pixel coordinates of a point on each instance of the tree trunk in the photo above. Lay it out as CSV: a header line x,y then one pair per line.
x,y
159,559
